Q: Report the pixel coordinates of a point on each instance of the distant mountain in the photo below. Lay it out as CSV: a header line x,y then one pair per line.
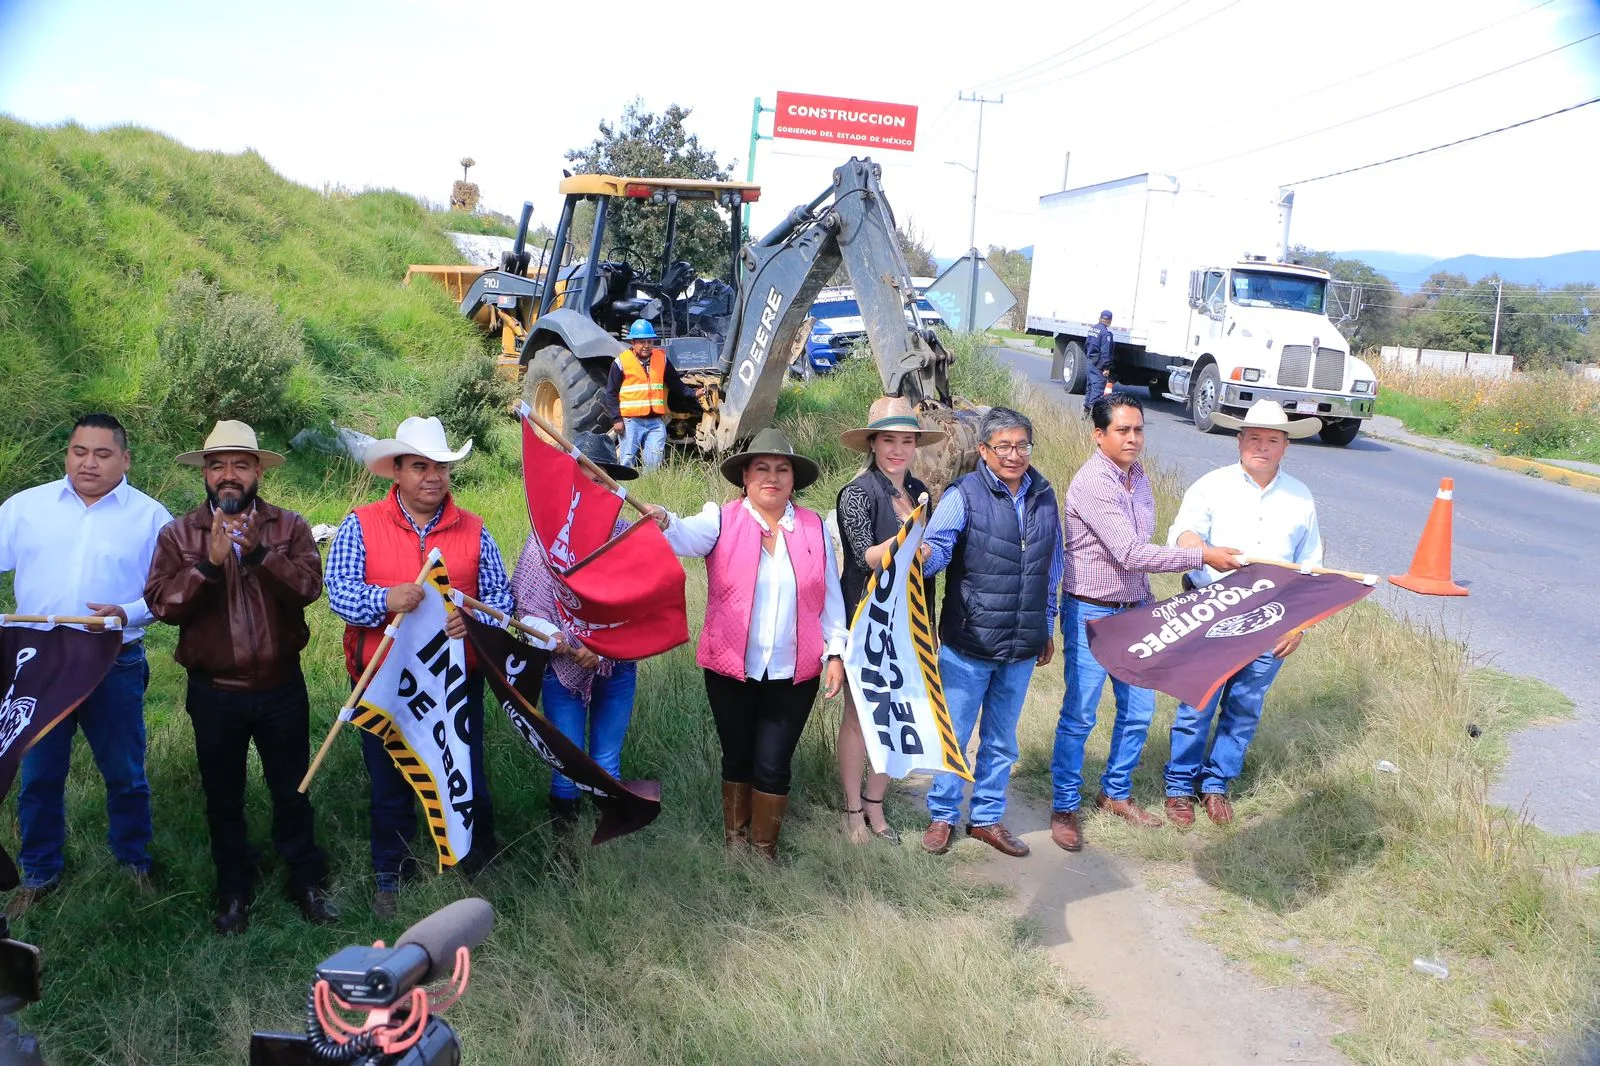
x,y
1409,270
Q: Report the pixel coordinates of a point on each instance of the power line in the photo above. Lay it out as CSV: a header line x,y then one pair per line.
x,y
1391,107
1048,63
1450,144
1483,311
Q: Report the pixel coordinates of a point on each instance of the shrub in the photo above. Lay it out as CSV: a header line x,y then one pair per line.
x,y
472,397
228,356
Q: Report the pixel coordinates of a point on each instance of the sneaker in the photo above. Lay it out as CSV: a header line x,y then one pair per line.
x,y
385,903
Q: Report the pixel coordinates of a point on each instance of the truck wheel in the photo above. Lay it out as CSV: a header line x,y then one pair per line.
x,y
1073,364
1205,398
1339,431
564,392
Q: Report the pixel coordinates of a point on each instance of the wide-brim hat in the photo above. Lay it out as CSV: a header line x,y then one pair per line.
x,y
416,436
889,414
600,450
229,435
770,442
1268,414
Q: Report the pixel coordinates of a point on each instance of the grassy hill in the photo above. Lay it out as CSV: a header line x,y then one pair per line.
x,y
98,229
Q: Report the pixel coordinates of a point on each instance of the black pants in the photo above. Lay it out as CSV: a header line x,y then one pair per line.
x,y
759,724
278,720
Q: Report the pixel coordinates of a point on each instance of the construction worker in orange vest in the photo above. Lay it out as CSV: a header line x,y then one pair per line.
x,y
636,395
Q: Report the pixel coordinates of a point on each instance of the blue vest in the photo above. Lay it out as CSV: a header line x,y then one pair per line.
x,y
999,579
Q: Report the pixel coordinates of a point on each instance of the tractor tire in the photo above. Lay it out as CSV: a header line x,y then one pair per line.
x,y
563,391
1339,431
1205,398
1074,366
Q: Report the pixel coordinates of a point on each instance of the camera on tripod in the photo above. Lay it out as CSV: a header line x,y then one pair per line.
x,y
402,1026
19,986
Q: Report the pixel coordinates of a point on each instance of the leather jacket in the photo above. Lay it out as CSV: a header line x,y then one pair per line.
x,y
241,625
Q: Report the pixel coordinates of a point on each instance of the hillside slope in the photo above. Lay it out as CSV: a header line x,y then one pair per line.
x,y
96,230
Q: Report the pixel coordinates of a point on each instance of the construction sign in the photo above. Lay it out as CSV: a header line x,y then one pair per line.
x,y
841,120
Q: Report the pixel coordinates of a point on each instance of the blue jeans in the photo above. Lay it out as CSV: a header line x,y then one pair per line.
x,y
1241,698
994,689
605,720
112,720
1086,680
650,435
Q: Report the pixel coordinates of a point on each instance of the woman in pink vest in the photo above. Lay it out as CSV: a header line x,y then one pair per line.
x,y
774,625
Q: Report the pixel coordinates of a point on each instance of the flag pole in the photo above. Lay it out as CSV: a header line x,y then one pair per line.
x,y
107,621
361,686
1365,579
492,612
583,460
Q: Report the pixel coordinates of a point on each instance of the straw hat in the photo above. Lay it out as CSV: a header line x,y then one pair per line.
x,y
231,436
770,442
1268,414
416,436
889,414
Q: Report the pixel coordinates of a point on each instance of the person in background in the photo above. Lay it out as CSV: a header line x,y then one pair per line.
x,y
590,699
774,626
1099,352
1269,515
637,391
82,545
235,575
870,510
371,574
1110,516
998,529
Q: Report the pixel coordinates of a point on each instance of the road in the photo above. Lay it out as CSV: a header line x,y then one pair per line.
x,y
1524,547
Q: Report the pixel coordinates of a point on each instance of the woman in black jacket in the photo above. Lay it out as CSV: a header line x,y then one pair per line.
x,y
870,511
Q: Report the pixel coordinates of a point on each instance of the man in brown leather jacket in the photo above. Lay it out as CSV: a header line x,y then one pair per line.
x,y
235,576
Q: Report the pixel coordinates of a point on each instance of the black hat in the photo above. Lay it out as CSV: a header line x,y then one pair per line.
x,y
602,452
770,442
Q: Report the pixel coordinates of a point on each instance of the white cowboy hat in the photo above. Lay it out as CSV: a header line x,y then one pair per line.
x,y
416,436
231,436
889,414
1268,414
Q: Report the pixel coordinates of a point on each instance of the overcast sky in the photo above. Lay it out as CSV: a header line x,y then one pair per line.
x,y
392,94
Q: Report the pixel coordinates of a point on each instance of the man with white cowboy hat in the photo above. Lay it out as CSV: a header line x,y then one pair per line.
x,y
371,574
235,575
1266,514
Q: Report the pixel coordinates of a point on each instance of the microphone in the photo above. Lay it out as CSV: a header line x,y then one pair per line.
x,y
465,923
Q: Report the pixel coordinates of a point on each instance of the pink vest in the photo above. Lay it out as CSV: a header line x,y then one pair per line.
x,y
731,591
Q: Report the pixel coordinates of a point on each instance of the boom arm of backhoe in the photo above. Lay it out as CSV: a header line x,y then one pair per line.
x,y
781,273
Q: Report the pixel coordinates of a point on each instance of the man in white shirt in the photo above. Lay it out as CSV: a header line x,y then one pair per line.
x,y
1265,514
82,545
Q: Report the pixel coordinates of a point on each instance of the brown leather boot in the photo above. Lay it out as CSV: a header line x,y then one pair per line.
x,y
735,813
766,818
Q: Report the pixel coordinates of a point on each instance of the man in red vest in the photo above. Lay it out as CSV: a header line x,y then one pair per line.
x,y
371,574
636,395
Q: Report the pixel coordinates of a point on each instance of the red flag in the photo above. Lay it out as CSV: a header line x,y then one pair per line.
x,y
571,515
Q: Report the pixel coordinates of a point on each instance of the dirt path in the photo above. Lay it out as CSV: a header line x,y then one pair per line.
x,y
1165,995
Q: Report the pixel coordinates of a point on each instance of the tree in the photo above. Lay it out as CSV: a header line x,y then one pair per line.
x,y
657,146
914,246
1016,270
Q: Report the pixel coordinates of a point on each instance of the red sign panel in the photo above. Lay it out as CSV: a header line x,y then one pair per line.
x,y
840,120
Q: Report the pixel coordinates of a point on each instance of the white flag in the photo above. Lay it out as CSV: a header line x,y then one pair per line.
x,y
416,704
893,667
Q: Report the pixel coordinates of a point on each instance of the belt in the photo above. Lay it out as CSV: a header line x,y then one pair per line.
x,y
1104,603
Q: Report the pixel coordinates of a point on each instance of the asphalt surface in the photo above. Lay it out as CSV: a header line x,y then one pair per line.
x,y
1525,549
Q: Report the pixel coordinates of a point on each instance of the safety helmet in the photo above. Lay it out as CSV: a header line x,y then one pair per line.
x,y
641,330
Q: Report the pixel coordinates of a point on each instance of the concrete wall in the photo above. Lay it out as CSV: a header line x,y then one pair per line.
x,y
1478,364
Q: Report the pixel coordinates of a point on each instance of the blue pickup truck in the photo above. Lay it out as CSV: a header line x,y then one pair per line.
x,y
836,326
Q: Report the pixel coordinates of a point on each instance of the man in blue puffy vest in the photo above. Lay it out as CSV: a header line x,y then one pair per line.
x,y
1098,348
998,531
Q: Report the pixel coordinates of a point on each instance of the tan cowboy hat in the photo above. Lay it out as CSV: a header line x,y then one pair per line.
x,y
770,442
1268,414
231,436
889,414
416,436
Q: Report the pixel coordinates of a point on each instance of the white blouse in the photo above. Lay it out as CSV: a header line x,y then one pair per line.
x,y
771,648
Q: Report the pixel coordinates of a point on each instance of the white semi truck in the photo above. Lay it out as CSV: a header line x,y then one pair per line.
x,y
1207,309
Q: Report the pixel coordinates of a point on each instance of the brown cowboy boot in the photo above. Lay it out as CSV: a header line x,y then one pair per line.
x,y
765,821
735,813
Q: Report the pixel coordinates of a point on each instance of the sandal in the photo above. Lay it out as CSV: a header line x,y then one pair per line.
x,y
888,834
851,834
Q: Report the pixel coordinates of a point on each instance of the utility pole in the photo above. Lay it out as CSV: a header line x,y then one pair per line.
x,y
750,170
1494,343
972,233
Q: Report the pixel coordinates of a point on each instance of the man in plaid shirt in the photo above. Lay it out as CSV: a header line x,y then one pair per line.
x,y
1110,516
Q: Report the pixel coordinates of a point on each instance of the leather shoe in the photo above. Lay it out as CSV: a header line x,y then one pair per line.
x,y
233,916
385,904
315,906
936,841
1218,809
23,899
1128,811
1065,831
998,837
1180,810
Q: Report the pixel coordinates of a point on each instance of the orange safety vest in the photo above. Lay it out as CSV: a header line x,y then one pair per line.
x,y
644,391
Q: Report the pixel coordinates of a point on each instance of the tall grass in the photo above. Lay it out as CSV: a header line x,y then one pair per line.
x,y
1548,414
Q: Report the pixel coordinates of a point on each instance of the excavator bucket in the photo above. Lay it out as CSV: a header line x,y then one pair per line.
x,y
456,278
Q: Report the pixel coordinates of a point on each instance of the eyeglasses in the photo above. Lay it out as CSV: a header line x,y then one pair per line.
x,y
1005,451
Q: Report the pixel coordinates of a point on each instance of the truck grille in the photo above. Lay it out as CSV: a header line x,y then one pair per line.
x,y
1295,369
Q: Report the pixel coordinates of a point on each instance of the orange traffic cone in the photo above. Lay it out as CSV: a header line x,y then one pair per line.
x,y
1430,567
